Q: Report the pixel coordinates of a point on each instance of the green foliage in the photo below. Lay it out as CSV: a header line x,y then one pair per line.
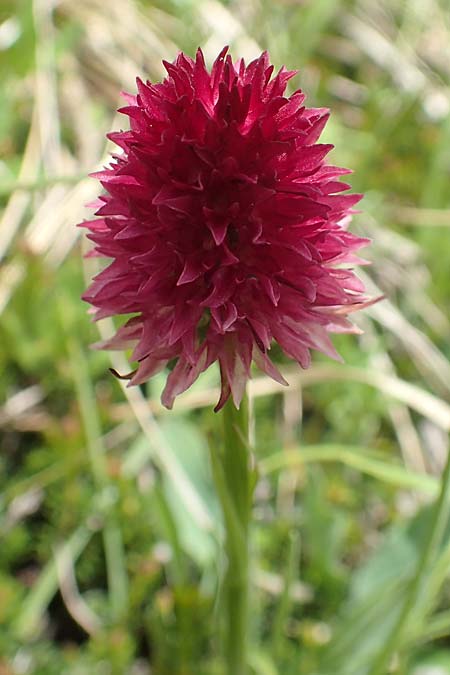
x,y
109,525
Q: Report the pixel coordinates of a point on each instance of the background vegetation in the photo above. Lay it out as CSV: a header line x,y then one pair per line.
x,y
109,527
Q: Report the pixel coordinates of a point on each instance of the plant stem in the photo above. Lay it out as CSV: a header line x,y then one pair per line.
x,y
234,482
438,522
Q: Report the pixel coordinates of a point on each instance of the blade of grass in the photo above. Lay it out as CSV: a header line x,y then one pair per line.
x,y
436,627
163,455
261,664
352,632
437,577
440,515
42,183
178,568
36,602
285,600
434,408
112,536
356,457
42,478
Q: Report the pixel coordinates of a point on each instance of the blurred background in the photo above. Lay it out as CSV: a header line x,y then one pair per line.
x,y
109,528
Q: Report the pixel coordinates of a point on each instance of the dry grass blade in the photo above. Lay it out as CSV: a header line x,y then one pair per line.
x,y
225,28
20,507
395,57
46,86
121,39
431,362
18,203
76,606
407,436
20,403
409,215
411,395
10,277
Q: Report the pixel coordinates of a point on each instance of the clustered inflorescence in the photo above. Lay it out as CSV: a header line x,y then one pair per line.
x,y
226,228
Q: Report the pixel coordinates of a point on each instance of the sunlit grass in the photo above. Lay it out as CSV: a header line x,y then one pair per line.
x,y
109,525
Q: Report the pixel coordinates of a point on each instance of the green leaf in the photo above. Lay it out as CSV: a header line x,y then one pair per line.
x,y
364,460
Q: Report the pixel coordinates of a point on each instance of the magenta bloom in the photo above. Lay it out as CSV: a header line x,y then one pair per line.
x,y
226,228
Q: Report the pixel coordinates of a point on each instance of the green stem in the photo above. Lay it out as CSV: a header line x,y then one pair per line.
x,y
439,519
234,482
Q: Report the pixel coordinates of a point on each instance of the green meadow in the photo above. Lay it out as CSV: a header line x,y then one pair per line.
x,y
110,530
